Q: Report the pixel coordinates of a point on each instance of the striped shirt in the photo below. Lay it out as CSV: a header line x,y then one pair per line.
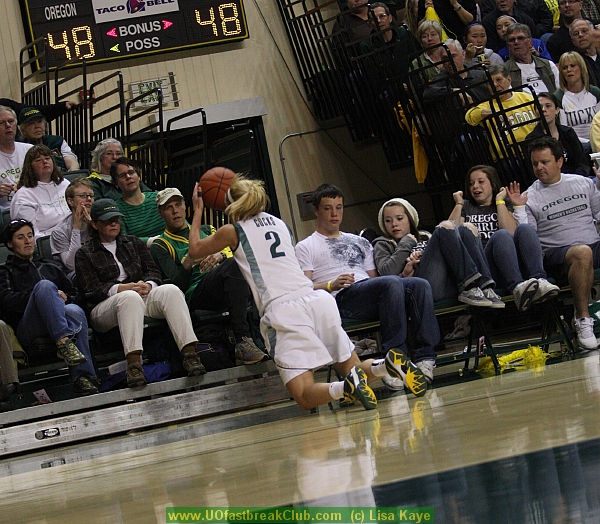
x,y
144,220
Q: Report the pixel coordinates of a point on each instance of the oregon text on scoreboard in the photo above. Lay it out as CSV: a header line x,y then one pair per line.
x,y
101,30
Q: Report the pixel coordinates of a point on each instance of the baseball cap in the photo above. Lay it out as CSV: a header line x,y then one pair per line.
x,y
104,209
29,113
162,197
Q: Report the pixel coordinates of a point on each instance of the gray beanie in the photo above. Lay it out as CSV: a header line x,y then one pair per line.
x,y
406,205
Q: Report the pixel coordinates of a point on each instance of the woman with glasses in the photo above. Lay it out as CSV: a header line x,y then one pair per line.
x,y
105,153
38,300
40,196
71,233
140,212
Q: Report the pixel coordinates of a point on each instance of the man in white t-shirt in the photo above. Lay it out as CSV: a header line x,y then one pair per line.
x,y
525,68
343,264
563,209
12,155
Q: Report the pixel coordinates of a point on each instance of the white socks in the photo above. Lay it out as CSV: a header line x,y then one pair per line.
x,y
336,390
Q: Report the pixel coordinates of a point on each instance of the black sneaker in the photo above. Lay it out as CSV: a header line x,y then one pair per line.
x,y
69,352
356,389
84,386
192,364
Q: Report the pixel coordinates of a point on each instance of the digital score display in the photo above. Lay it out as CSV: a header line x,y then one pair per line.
x,y
103,30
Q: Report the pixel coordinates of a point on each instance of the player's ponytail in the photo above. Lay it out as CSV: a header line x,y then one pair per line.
x,y
247,198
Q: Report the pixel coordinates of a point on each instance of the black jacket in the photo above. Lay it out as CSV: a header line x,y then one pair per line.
x,y
17,279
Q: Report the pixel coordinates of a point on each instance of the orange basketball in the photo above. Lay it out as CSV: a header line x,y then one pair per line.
x,y
214,184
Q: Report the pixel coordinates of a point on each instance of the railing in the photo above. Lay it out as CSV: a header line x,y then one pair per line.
x,y
113,101
146,145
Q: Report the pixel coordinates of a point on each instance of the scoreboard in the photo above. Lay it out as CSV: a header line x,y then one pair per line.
x,y
103,30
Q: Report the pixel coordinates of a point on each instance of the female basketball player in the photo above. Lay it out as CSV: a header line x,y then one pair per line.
x,y
301,327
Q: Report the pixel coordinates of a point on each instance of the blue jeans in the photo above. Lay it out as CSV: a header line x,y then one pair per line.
x,y
475,249
46,314
447,265
514,258
389,299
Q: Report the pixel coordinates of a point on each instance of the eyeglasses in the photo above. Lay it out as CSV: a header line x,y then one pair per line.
x,y
85,195
9,122
18,221
125,174
563,3
514,39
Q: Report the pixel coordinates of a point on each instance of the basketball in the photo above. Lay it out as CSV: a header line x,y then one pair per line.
x,y
214,184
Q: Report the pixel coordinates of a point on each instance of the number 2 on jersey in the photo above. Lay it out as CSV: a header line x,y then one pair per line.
x,y
276,241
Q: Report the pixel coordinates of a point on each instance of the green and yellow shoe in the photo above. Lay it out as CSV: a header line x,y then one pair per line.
x,y
398,365
356,389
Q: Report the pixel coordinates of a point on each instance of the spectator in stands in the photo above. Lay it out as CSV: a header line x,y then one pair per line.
x,y
476,50
38,300
537,10
563,209
51,111
595,133
301,326
581,35
9,378
578,100
505,7
473,83
526,68
12,156
352,27
454,16
429,34
125,285
33,126
575,158
40,198
343,265
538,48
71,233
213,282
395,44
105,153
508,106
411,14
140,214
513,252
454,267
561,41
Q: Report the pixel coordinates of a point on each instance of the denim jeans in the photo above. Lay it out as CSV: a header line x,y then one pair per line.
x,y
514,258
390,299
46,314
446,264
224,287
475,249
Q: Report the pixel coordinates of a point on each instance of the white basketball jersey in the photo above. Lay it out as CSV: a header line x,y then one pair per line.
x,y
267,259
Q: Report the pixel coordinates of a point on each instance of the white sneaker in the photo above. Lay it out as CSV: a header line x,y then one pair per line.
x,y
474,297
427,366
494,298
584,327
524,293
393,383
545,291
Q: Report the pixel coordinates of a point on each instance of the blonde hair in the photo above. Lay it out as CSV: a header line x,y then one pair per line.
x,y
576,58
246,198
